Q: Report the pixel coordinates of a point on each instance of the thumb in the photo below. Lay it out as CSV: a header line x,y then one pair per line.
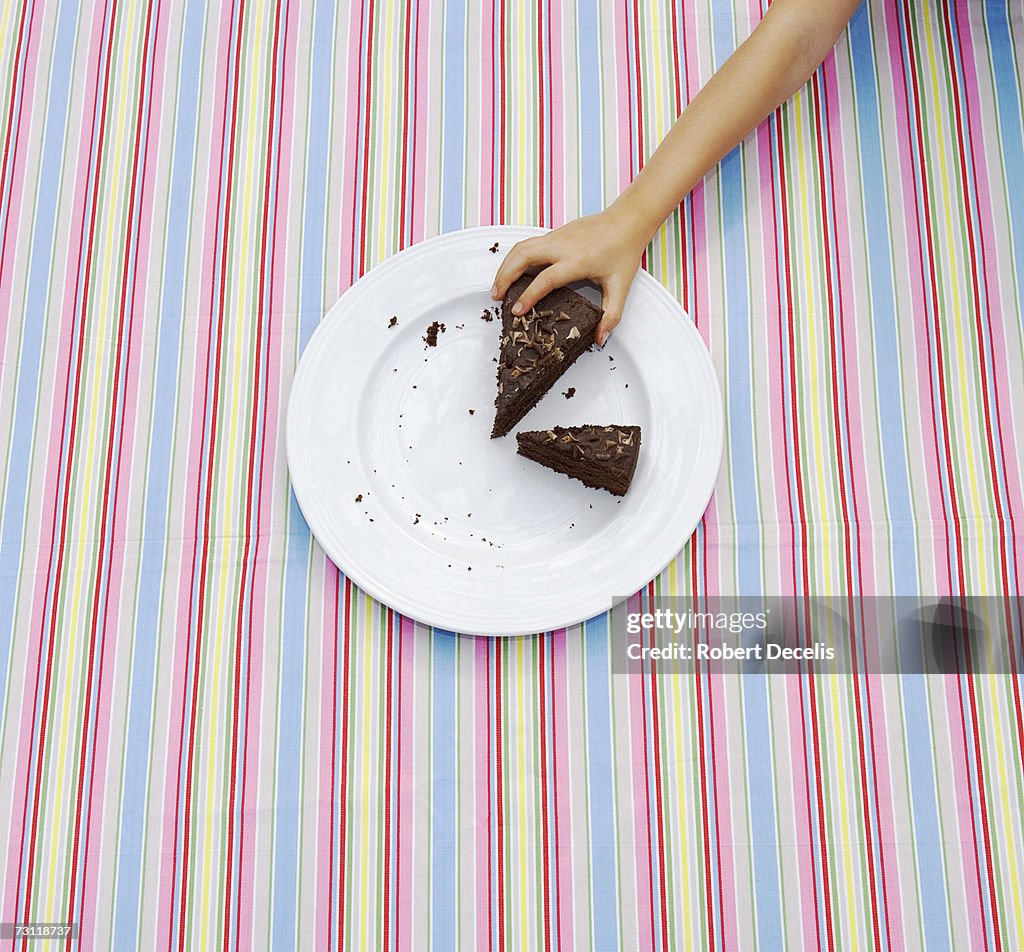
x,y
613,301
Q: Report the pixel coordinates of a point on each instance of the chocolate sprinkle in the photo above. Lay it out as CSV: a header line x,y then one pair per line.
x,y
393,321
432,331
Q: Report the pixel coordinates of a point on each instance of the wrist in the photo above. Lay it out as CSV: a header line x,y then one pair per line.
x,y
631,218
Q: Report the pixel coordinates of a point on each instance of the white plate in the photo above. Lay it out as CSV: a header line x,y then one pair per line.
x,y
503,546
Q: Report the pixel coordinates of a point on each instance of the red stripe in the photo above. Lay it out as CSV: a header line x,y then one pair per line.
x,y
706,835
499,797
402,204
647,802
557,788
490,760
659,797
501,115
364,190
260,374
198,640
997,477
388,728
17,87
829,230
714,796
998,413
350,275
543,87
343,793
951,489
545,846
208,502
778,201
331,571
398,789
93,196
129,264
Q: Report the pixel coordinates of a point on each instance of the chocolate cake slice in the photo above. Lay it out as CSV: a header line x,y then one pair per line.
x,y
537,348
603,457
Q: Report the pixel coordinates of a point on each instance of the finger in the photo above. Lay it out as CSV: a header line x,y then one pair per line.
x,y
613,302
547,281
523,255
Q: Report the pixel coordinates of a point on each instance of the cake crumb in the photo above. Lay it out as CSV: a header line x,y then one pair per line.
x,y
493,249
469,568
486,315
570,393
359,498
471,412
416,521
393,321
432,331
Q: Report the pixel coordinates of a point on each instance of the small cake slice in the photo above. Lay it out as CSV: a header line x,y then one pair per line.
x,y
602,457
537,348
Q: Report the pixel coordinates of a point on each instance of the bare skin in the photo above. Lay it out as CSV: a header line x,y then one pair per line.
x,y
775,61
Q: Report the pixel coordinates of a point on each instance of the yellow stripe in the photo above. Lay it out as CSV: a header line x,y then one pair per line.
x,y
89,495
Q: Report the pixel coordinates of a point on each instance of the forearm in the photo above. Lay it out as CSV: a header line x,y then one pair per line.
x,y
775,61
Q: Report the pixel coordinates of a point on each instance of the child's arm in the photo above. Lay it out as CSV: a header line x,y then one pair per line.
x,y
783,51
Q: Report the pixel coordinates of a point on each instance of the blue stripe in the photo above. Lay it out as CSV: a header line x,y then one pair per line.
x,y
454,116
151,569
33,328
601,786
297,560
591,139
443,802
1005,66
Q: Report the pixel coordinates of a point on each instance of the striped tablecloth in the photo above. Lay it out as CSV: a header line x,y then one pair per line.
x,y
211,739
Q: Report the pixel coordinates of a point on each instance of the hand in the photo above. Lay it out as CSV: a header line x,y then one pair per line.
x,y
602,248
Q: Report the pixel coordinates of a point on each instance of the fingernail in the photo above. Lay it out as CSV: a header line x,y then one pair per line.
x,y
517,308
494,291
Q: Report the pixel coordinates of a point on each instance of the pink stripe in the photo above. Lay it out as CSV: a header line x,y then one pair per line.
x,y
265,495
24,101
422,133
37,633
482,800
918,293
890,911
624,116
643,794
771,225
112,627
405,941
347,252
965,815
171,865
487,152
556,178
1006,437
563,803
330,754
